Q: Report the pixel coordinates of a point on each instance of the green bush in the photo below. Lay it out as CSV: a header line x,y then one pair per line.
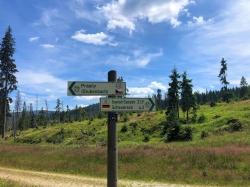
x,y
124,129
57,137
29,140
185,134
146,139
234,125
212,104
201,118
204,134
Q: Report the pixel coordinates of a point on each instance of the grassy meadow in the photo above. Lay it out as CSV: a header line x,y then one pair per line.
x,y
221,157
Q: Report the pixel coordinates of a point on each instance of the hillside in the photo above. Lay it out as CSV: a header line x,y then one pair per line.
x,y
212,124
221,157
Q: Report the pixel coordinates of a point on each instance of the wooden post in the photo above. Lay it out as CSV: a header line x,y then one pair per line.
x,y
112,142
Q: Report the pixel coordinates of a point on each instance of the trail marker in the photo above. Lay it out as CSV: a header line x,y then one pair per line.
x,y
82,88
111,104
127,104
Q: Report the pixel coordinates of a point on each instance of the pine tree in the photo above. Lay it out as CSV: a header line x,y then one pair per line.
x,y
68,117
243,87
173,95
7,76
32,123
187,98
223,79
159,99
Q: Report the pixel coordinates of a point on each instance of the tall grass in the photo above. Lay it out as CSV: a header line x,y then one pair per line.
x,y
229,165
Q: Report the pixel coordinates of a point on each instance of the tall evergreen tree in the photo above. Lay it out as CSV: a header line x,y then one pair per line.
x,y
159,100
223,79
243,87
7,76
32,123
173,95
187,98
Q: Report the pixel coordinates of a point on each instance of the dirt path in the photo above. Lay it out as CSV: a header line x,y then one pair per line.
x,y
33,178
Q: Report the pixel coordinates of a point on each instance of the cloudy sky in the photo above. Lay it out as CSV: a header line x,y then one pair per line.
x,y
143,40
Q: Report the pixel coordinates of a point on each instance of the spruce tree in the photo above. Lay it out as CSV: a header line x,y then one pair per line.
x,y
243,87
187,97
223,79
7,76
159,100
173,95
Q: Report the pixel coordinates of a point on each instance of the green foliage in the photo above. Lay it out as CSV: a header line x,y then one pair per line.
x,y
57,137
8,82
201,118
187,98
146,138
234,125
223,78
173,94
124,129
212,104
204,134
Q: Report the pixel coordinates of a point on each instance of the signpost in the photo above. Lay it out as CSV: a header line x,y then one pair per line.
x,y
127,104
82,88
113,103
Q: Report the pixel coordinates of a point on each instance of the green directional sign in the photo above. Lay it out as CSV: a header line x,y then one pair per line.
x,y
127,104
81,88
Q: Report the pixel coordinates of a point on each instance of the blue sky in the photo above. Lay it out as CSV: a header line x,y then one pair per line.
x,y
143,40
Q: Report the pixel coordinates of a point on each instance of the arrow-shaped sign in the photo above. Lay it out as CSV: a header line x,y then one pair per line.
x,y
80,88
127,104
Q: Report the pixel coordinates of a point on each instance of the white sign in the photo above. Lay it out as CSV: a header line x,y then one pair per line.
x,y
79,88
127,104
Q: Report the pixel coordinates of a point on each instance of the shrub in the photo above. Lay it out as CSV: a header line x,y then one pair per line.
x,y
186,134
201,118
204,134
173,131
125,118
216,116
234,125
146,139
124,129
212,104
57,137
29,140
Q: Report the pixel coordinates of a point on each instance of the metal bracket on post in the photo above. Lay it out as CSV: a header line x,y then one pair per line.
x,y
112,142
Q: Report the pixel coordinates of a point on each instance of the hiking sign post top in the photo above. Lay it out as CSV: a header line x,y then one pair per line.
x,y
83,88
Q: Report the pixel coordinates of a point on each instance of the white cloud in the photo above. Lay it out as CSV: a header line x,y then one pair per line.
x,y
96,39
32,39
198,21
228,36
124,13
147,90
41,83
47,46
87,98
47,17
138,58
157,85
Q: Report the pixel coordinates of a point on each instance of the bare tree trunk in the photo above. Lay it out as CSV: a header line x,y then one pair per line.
x,y
14,125
5,120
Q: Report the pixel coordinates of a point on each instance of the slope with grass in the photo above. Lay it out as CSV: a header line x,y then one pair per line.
x,y
221,157
145,127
